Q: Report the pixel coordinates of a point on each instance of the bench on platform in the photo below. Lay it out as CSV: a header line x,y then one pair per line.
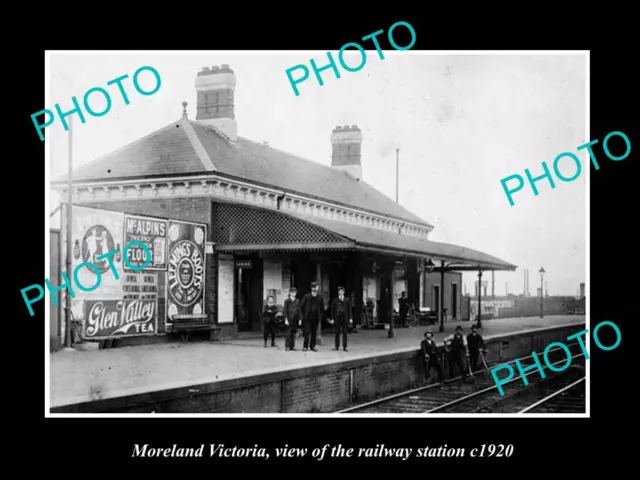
x,y
186,323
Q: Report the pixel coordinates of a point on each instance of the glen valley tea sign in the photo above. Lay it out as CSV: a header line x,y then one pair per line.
x,y
119,318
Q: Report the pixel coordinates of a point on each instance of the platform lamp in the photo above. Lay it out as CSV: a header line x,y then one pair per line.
x,y
542,272
429,266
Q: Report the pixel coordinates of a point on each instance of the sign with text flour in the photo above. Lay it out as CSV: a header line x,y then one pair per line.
x,y
153,233
94,233
186,262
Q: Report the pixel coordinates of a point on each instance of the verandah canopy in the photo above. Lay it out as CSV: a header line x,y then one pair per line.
x,y
357,237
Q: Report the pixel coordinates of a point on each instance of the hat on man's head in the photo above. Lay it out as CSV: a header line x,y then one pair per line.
x,y
314,284
341,288
459,328
293,289
474,327
428,332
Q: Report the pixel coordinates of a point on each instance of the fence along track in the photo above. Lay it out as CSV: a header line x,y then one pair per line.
x,y
570,397
443,392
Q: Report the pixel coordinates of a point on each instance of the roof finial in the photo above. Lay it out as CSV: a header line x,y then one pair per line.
x,y
184,109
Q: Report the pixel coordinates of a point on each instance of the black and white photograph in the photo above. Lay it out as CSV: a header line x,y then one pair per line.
x,y
244,233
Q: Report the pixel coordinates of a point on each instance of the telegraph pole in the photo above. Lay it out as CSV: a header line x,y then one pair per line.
x,y
397,172
68,336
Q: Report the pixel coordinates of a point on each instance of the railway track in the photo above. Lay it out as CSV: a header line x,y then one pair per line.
x,y
482,396
570,399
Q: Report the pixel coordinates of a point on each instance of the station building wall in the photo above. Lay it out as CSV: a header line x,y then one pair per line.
x,y
198,209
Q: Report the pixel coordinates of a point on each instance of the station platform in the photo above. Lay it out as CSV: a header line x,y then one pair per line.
x,y
85,376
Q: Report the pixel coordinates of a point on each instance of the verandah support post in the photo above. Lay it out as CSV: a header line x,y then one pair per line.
x,y
321,287
479,298
441,302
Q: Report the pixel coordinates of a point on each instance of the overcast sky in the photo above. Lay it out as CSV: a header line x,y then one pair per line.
x,y
462,123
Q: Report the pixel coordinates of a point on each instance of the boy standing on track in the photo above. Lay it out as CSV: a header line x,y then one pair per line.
x,y
291,319
430,357
457,347
475,342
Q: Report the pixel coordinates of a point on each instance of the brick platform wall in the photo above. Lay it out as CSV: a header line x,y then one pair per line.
x,y
323,388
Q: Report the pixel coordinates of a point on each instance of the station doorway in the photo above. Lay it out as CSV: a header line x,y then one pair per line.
x,y
248,292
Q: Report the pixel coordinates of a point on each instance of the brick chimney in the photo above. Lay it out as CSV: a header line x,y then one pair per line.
x,y
347,143
215,87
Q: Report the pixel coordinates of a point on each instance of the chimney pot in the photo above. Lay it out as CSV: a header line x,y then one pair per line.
x,y
215,93
347,145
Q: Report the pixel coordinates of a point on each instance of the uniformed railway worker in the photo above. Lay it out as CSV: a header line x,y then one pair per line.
x,y
430,357
340,316
476,343
292,319
456,345
311,308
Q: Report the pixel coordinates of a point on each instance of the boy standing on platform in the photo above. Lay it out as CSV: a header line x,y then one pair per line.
x,y
292,319
269,321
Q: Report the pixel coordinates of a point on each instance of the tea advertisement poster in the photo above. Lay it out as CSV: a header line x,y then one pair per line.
x,y
119,318
185,268
152,232
95,233
135,314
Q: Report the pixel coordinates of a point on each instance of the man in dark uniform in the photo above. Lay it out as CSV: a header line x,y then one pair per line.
x,y
475,342
403,308
456,345
430,357
291,318
311,308
339,316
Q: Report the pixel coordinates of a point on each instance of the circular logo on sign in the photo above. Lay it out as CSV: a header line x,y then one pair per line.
x,y
96,242
185,273
173,310
198,236
174,231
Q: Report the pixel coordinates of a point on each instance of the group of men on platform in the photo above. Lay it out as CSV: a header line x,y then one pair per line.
x,y
463,353
307,313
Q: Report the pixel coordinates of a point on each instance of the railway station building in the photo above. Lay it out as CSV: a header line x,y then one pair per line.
x,y
271,220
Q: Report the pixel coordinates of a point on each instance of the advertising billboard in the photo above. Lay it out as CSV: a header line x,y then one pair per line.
x,y
94,233
153,233
185,268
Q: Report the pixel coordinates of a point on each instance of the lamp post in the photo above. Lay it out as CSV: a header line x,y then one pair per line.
x,y
542,272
